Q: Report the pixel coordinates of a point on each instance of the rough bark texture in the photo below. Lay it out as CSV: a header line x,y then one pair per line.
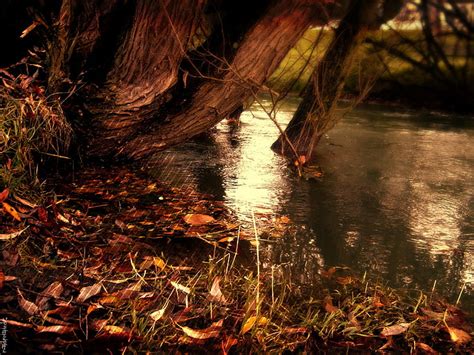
x,y
315,114
258,56
146,66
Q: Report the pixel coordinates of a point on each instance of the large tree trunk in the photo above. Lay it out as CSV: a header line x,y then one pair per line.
x,y
148,86
259,54
146,66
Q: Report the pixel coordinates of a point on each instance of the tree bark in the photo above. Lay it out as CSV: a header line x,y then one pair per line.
x,y
146,66
315,114
259,54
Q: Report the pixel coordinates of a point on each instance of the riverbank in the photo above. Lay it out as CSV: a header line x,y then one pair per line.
x,y
116,261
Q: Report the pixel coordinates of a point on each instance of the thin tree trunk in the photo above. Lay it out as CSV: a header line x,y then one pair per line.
x,y
315,114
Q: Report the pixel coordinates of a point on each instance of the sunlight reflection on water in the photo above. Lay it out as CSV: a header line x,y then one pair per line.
x,y
396,199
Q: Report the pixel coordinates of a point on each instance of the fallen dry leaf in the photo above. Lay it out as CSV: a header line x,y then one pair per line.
x,y
180,287
52,291
58,329
426,348
4,195
15,323
212,332
198,219
88,292
228,343
157,315
28,306
251,322
9,236
395,329
328,306
24,202
11,211
215,294
459,336
298,330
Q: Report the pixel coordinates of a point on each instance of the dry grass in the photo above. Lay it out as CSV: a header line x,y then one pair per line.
x,y
33,128
130,275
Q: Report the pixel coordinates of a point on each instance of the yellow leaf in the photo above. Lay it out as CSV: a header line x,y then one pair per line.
x,y
198,219
157,315
12,211
211,332
459,336
251,322
181,287
158,262
11,235
113,329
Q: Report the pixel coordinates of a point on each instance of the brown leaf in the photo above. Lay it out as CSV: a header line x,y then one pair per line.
x,y
4,195
52,291
24,202
283,220
328,274
114,329
328,306
459,336
64,311
426,348
28,306
93,307
12,211
88,292
215,294
376,302
298,330
395,329
10,257
15,323
198,219
226,240
58,329
42,214
228,343
353,320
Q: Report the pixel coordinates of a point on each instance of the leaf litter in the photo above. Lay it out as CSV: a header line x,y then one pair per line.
x,y
118,259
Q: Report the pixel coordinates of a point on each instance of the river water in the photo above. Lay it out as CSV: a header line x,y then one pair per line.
x,y
396,199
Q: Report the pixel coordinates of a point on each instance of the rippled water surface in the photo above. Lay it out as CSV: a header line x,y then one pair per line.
x,y
396,199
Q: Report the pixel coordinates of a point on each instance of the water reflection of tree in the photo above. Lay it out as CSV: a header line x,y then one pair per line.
x,y
364,219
